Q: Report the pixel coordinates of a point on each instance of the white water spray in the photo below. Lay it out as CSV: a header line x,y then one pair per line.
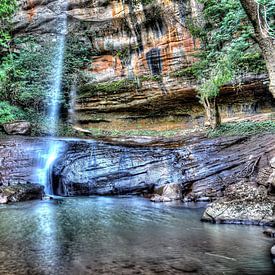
x,y
54,97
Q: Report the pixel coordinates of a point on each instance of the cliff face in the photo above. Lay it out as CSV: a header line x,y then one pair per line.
x,y
138,49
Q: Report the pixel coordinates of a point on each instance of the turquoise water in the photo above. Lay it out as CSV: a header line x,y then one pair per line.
x,y
104,235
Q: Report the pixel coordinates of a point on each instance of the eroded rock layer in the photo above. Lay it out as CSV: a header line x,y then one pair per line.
x,y
203,167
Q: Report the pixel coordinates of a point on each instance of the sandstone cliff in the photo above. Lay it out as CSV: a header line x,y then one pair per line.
x,y
138,49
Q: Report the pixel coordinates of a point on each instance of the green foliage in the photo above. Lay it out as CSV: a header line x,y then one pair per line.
x,y
77,56
147,2
139,132
221,74
7,8
150,78
243,128
186,72
227,47
107,87
10,113
26,76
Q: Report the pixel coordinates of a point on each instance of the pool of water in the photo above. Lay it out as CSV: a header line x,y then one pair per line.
x,y
104,235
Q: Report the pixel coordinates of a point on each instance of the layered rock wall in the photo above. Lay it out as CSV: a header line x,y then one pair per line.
x,y
204,167
138,47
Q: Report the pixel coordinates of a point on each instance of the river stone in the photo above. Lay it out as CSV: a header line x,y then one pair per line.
x,y
3,199
269,232
168,192
17,128
158,198
21,192
272,251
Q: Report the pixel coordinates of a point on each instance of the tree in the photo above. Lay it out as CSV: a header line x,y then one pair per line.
x,y
227,51
208,91
264,32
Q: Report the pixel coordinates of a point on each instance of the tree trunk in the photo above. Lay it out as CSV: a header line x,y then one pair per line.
x,y
266,43
212,114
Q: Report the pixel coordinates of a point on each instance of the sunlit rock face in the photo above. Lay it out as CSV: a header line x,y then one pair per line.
x,y
143,43
203,167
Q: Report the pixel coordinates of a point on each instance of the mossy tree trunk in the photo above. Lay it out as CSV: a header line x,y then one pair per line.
x,y
265,41
212,114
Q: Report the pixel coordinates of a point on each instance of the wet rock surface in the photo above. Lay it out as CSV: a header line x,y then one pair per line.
x,y
250,200
272,251
203,167
20,192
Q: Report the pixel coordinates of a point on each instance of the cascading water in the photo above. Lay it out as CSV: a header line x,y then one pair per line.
x,y
72,103
48,157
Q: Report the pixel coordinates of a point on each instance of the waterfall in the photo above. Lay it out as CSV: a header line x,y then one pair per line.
x,y
58,61
72,119
48,157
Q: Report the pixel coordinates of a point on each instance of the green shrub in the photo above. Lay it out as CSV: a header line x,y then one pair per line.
x,y
243,128
7,8
107,87
139,132
26,76
10,113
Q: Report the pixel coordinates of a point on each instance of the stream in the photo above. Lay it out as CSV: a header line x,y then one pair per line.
x,y
125,235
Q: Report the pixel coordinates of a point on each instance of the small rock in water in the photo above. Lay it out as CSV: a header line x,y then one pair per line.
x,y
269,232
167,193
3,199
272,251
156,198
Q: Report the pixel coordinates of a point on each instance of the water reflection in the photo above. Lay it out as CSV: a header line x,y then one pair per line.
x,y
124,236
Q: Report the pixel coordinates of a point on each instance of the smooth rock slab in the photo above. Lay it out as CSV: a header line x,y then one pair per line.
x,y
17,128
203,167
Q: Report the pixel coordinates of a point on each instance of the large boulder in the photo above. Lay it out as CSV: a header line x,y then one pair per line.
x,y
243,203
17,128
168,192
21,192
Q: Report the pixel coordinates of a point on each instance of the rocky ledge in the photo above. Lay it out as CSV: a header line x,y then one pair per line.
x,y
243,203
249,201
236,173
20,192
